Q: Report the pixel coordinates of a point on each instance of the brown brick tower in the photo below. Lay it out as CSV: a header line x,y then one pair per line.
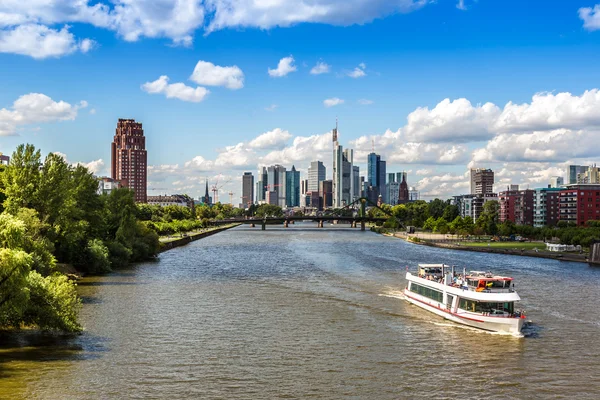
x,y
128,157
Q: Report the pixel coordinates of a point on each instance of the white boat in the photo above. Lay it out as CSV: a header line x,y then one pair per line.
x,y
477,299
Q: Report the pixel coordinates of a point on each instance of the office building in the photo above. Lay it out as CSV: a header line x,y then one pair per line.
x,y
292,186
482,181
413,194
129,157
342,176
393,189
276,186
546,207
471,205
326,193
376,172
355,182
316,174
247,189
557,181
591,175
574,171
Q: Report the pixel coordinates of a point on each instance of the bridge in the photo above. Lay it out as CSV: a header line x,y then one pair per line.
x,y
361,217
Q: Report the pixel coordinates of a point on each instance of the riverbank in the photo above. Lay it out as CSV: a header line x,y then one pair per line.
x,y
168,243
583,258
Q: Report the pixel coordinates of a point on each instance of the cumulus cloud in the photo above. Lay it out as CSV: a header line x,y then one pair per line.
x,y
303,149
39,41
175,90
206,73
320,68
36,108
271,139
365,102
94,167
284,67
358,72
461,5
334,101
272,107
590,17
268,14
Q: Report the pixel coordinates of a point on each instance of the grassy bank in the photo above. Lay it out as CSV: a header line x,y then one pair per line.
x,y
506,245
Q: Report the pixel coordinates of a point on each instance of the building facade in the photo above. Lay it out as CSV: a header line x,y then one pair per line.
x,y
573,172
247,189
4,160
516,206
471,205
292,186
172,200
546,207
316,175
580,203
403,193
557,181
376,174
482,181
129,157
107,185
326,193
276,186
342,176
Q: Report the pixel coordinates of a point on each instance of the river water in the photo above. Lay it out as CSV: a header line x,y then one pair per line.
x,y
308,313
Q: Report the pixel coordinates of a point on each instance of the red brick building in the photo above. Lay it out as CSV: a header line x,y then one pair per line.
x,y
580,203
516,206
129,158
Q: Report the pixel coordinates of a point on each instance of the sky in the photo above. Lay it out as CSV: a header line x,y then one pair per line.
x,y
226,86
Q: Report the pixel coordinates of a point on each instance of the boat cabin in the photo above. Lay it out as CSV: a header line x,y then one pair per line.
x,y
435,271
486,281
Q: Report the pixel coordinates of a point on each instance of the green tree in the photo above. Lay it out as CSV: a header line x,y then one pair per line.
x,y
450,212
436,208
21,179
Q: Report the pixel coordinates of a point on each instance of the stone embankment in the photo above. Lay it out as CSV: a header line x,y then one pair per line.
x,y
515,252
168,244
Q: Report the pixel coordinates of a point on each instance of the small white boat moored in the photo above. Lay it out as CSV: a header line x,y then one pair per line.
x,y
477,299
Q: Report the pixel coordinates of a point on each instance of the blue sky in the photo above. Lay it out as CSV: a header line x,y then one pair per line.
x,y
95,57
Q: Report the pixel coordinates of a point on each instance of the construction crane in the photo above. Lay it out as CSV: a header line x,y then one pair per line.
x,y
231,197
216,187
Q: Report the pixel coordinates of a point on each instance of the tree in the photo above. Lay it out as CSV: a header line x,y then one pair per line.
x,y
269,210
429,224
21,178
450,212
436,208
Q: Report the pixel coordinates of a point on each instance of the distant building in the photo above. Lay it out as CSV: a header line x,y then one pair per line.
x,y
326,193
316,175
482,181
292,187
471,205
372,194
276,185
557,181
546,206
516,206
129,157
376,172
591,175
107,185
4,160
393,189
355,182
247,189
342,176
403,195
172,200
580,203
206,199
413,194
574,171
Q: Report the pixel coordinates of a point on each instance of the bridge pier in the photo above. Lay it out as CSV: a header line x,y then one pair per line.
x,y
353,224
320,223
285,223
252,225
362,225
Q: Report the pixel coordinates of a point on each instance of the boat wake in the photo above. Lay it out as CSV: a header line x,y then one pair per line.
x,y
394,294
475,330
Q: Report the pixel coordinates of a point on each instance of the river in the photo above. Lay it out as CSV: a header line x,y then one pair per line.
x,y
307,312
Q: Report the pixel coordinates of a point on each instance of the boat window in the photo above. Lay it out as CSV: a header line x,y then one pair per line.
x,y
427,292
486,307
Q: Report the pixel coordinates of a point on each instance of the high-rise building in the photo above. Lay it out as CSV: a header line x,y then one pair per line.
x,y
557,181
393,189
326,192
303,191
401,176
579,203
342,176
516,206
292,185
316,174
276,186
355,182
574,171
247,189
591,175
482,181
376,171
129,157
546,210
403,193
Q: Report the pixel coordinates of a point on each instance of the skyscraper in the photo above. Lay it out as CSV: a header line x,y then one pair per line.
x,y
482,181
316,174
276,186
574,171
129,157
356,187
372,163
292,185
376,170
247,189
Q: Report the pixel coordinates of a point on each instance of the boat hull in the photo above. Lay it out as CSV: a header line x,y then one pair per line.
x,y
506,325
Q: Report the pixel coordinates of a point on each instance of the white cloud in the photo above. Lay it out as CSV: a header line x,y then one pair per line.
x,y
302,150
358,72
39,41
590,17
334,101
35,108
461,5
267,14
175,90
320,68
365,102
206,73
94,167
284,67
272,107
92,111
271,139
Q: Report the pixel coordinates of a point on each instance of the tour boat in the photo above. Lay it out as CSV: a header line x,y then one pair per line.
x,y
477,299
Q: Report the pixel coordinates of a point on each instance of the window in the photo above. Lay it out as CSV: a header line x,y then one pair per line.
x,y
427,292
484,307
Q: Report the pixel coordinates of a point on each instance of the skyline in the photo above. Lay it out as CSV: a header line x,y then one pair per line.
x,y
435,87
